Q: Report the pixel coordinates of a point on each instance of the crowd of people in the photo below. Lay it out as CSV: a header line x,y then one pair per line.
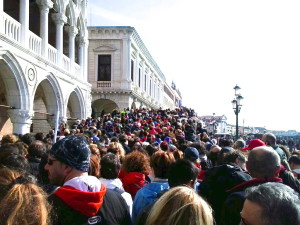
x,y
153,167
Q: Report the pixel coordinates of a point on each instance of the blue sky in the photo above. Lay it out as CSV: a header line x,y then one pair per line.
x,y
207,47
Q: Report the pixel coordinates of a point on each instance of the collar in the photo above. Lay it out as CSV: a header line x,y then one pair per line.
x,y
84,183
253,182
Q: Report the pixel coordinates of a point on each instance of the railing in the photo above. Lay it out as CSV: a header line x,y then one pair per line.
x,y
52,54
106,84
66,63
35,43
12,28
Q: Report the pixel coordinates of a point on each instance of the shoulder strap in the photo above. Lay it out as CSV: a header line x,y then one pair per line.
x,y
119,190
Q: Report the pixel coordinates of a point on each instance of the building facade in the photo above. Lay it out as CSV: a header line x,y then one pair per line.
x,y
43,61
123,74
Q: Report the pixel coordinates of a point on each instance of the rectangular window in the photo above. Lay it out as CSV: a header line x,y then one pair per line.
x,y
132,69
104,67
145,82
150,88
140,77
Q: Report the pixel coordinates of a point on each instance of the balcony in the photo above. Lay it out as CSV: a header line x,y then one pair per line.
x,y
11,29
104,84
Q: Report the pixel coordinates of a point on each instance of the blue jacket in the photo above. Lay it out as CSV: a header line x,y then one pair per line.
x,y
147,195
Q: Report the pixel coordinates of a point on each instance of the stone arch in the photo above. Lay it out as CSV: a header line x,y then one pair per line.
x,y
75,106
100,106
17,93
47,103
70,14
81,25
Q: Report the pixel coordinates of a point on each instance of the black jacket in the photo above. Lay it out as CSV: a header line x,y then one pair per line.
x,y
114,211
218,180
233,205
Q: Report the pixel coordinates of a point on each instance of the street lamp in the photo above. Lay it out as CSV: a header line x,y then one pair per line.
x,y
236,105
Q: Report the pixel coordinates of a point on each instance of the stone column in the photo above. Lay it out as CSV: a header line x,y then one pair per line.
x,y
24,20
21,120
126,60
82,55
72,31
44,6
59,19
1,17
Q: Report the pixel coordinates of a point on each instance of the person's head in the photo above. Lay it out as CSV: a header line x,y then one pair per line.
x,y
235,157
271,203
94,169
117,149
123,139
151,149
68,158
239,144
9,138
27,138
36,149
263,162
294,162
136,162
180,205
21,200
110,166
39,136
253,144
269,139
192,154
160,162
11,157
182,172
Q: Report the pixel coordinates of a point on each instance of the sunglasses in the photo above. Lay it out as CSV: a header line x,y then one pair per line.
x,y
50,161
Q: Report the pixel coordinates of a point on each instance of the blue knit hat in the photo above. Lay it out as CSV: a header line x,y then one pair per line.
x,y
73,151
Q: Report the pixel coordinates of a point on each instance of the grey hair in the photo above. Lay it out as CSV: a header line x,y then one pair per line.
x,y
280,203
262,162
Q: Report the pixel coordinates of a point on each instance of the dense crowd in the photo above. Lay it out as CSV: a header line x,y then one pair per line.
x,y
153,167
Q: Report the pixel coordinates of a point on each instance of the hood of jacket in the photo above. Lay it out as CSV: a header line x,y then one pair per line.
x,y
86,203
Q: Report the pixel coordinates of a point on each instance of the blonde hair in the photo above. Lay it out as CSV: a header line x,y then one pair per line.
x,y
22,203
180,205
117,149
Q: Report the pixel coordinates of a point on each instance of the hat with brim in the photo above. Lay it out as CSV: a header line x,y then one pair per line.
x,y
253,144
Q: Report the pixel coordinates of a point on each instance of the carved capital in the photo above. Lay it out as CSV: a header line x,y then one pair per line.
x,y
20,116
72,30
59,18
44,5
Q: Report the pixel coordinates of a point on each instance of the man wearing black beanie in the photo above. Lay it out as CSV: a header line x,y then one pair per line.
x,y
81,199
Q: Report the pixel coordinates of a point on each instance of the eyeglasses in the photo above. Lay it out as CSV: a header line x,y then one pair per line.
x,y
50,161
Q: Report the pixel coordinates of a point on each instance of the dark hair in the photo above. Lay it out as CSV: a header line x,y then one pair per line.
x,y
230,157
27,138
150,149
280,204
182,172
36,149
294,159
39,136
110,166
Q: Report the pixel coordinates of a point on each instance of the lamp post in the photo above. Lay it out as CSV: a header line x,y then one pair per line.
x,y
236,105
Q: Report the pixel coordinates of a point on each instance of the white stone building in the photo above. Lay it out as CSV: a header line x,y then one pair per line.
x,y
122,72
43,61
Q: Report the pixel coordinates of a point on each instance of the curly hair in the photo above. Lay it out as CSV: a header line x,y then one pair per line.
x,y
136,162
9,138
